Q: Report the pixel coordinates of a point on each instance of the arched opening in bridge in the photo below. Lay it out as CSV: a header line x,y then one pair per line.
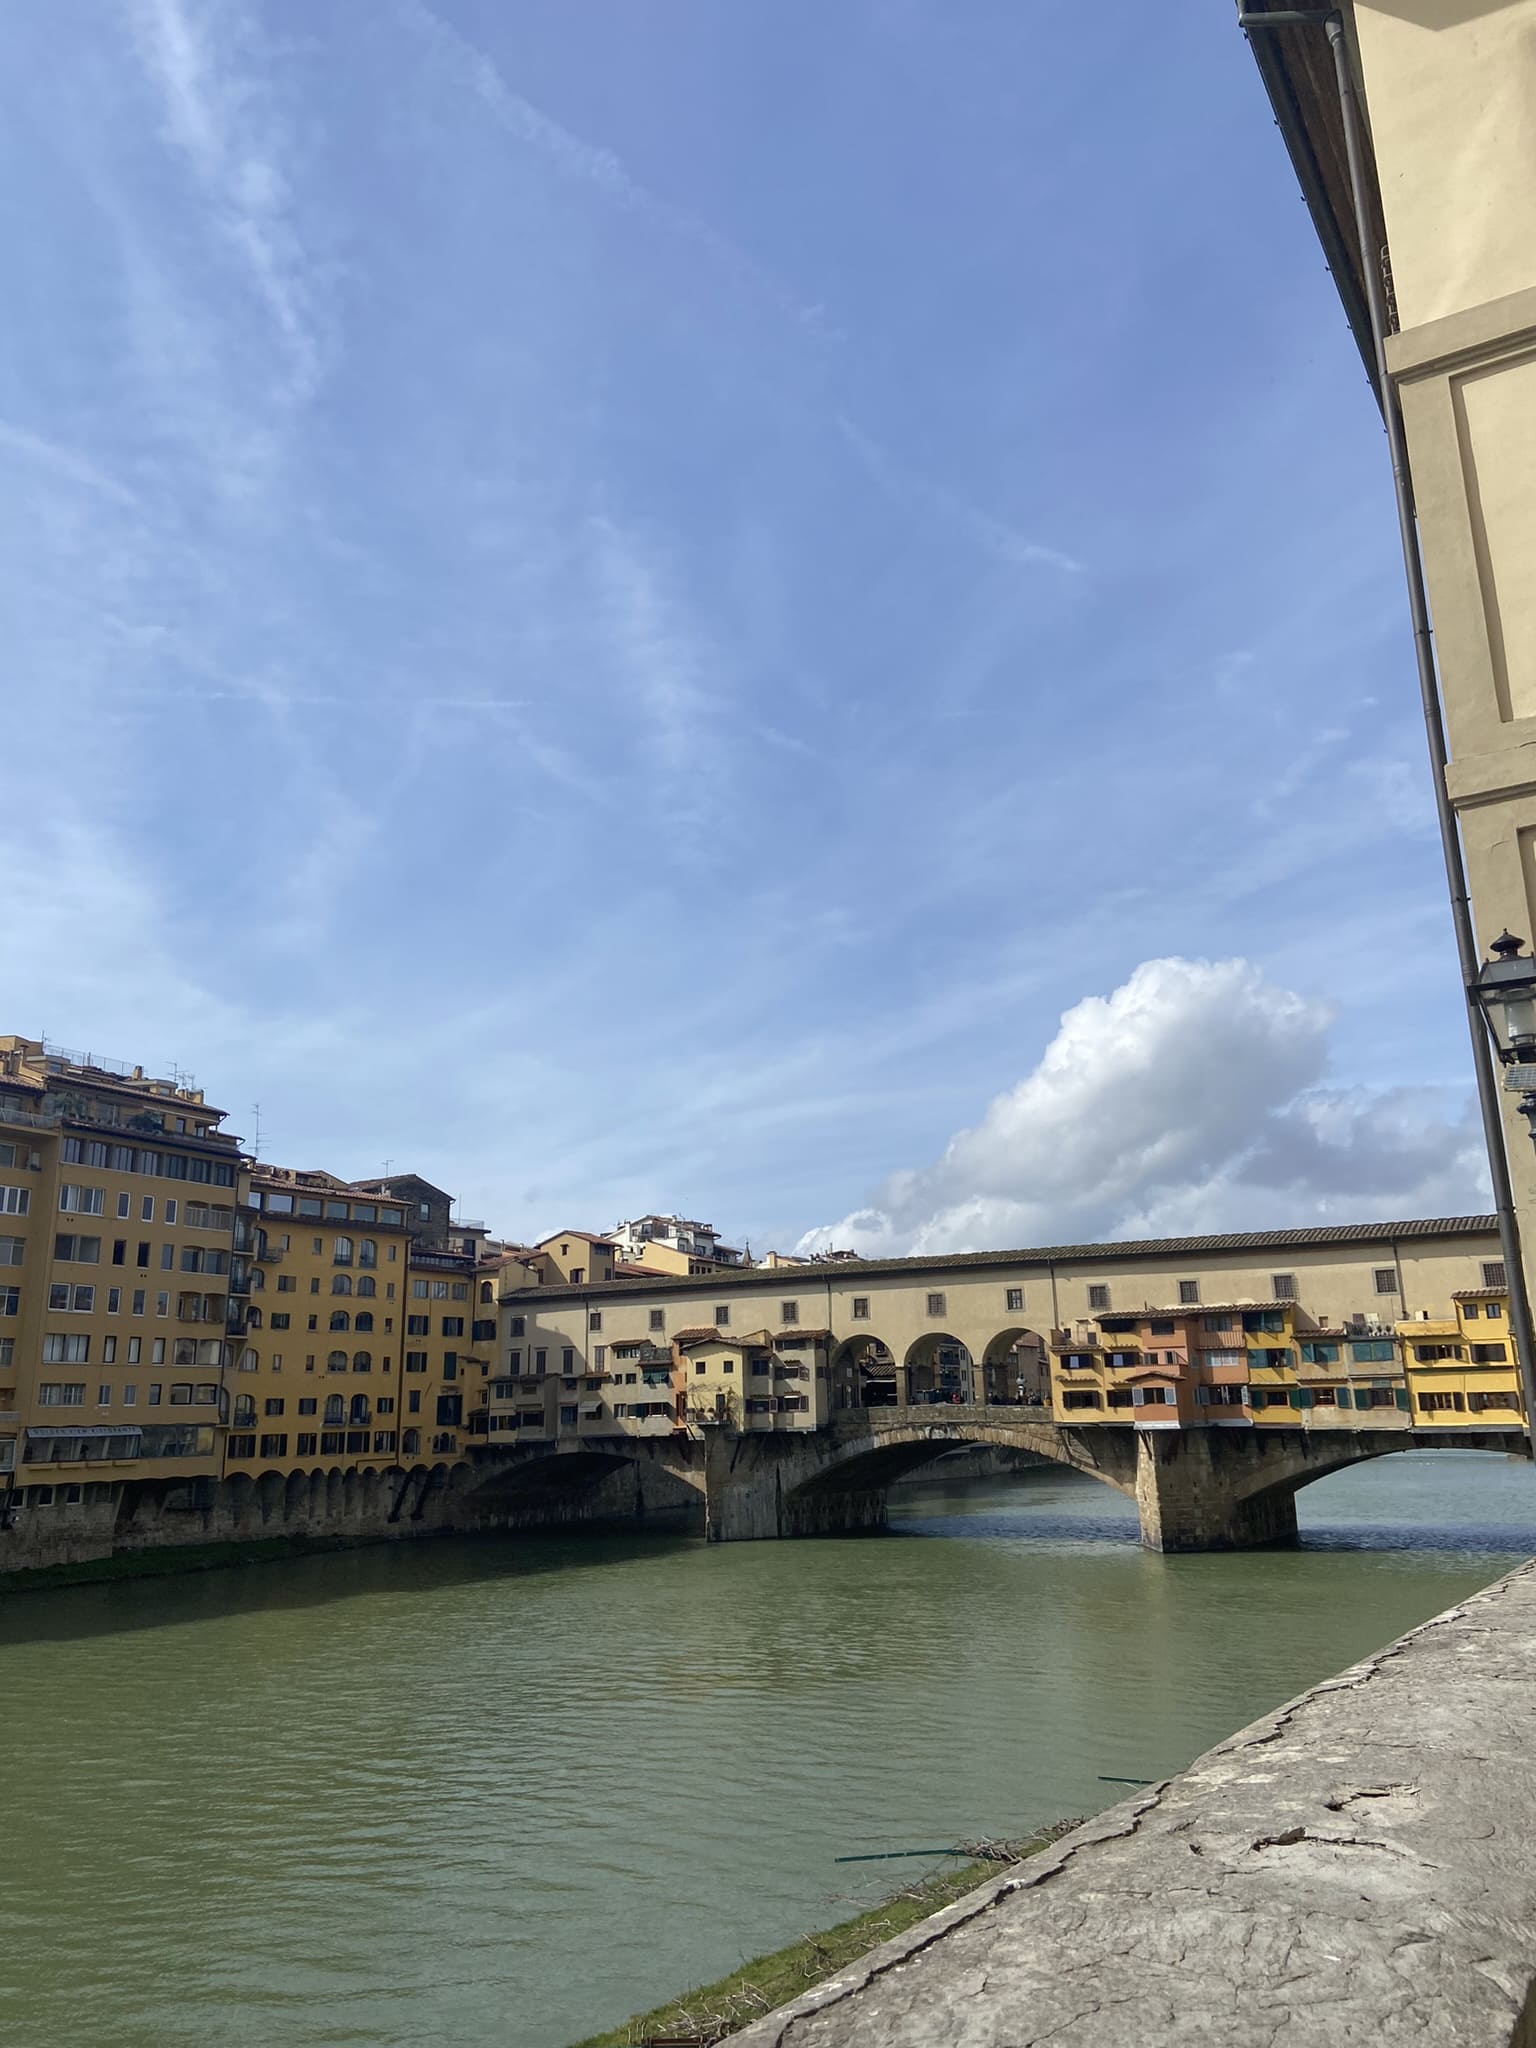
x,y
858,1472
1015,1371
863,1374
940,1369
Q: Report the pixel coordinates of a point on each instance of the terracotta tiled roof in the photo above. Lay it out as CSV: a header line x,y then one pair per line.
x,y
1126,1251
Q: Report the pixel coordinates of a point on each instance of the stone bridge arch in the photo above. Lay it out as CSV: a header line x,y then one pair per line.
x,y
615,1478
834,1482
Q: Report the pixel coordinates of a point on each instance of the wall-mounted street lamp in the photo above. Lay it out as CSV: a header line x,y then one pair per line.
x,y
1505,992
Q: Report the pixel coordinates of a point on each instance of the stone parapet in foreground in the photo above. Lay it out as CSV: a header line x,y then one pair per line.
x,y
1359,1866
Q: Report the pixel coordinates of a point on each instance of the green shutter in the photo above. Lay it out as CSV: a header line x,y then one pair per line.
x,y
1346,1398
1402,1396
1304,1396
1296,1397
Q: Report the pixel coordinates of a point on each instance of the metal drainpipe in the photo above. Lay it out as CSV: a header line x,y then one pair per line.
x,y
1429,694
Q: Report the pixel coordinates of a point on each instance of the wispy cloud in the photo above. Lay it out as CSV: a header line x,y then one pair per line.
x,y
219,115
66,464
918,494
600,170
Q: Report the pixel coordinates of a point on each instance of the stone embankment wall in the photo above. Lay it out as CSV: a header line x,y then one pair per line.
x,y
360,1507
1359,1866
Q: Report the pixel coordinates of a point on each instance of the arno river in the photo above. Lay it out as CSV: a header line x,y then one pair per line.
x,y
501,1794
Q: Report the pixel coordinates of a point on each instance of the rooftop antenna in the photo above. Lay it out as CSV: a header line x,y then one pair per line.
x,y
256,1139
387,1165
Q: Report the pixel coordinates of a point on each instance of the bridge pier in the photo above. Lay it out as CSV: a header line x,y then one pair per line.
x,y
1193,1490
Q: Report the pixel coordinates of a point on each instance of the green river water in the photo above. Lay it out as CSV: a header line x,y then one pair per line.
x,y
501,1793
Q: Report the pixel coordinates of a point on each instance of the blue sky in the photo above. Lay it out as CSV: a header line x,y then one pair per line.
x,y
625,605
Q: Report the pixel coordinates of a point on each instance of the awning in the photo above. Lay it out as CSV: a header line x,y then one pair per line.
x,y
86,1429
591,1407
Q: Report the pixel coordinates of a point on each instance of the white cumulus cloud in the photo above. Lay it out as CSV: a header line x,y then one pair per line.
x,y
1193,1098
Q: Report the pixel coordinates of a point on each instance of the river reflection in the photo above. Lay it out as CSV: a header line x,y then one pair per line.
x,y
502,1793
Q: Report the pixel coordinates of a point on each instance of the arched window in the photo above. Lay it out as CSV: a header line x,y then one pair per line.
x,y
258,1280
359,1408
336,1361
340,1320
362,1361
341,1283
341,1252
249,1362
363,1321
410,1443
367,1253
366,1284
485,1291
245,1411
253,1319
335,1408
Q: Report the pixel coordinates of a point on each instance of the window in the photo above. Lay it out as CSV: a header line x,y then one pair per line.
x,y
10,1301
81,1201
363,1321
280,1319
273,1407
367,1252
79,1251
341,1283
124,1205
341,1252
1386,1279
594,1321
142,1256
418,1326
1493,1311
658,1319
61,1394
1014,1300
340,1320
167,1257
861,1308
1189,1291
154,1393
14,1201
109,1351
439,1290
362,1361
789,1311
1489,1354
453,1326
335,1408
61,1350
935,1306
157,1351
1493,1273
76,1300
540,1362
274,1447
484,1332
1098,1297
415,1361
1283,1286
336,1361
517,1329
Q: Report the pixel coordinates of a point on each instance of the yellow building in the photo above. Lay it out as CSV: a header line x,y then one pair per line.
x,y
1460,1366
120,1280
318,1380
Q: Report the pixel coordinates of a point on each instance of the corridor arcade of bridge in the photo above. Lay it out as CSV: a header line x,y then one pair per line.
x,y
1316,1327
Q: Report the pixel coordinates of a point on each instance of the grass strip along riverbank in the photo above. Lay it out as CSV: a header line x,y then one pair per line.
x,y
700,2018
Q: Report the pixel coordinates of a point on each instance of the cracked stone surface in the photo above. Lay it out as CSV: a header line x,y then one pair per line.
x,y
1359,1866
